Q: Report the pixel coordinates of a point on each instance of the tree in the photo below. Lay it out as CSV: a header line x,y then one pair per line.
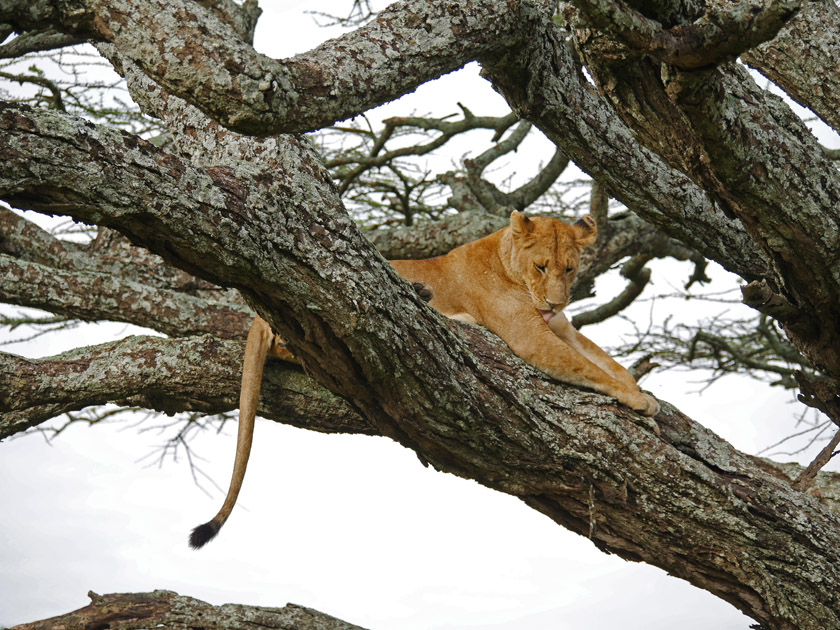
x,y
237,204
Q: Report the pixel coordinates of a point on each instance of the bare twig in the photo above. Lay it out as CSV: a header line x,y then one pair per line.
x,y
638,275
823,396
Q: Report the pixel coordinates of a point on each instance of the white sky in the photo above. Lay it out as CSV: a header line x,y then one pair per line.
x,y
352,526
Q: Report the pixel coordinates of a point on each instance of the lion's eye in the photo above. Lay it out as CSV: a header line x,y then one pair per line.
x,y
570,270
540,268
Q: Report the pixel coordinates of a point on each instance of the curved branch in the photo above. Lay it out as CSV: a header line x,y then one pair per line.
x,y
620,236
533,189
57,102
477,164
638,275
493,199
408,44
723,33
95,296
447,129
168,375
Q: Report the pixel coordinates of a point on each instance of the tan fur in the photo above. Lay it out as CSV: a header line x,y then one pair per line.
x,y
516,283
261,342
509,281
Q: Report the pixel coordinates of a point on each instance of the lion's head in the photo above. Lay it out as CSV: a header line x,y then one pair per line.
x,y
545,256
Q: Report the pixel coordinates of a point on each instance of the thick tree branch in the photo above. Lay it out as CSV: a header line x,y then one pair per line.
x,y
452,392
138,611
794,221
109,254
24,240
168,375
213,68
724,32
802,59
95,296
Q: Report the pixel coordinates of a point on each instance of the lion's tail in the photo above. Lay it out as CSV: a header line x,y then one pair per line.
x,y
259,340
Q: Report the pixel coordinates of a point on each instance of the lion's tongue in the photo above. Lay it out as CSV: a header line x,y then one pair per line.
x,y
546,315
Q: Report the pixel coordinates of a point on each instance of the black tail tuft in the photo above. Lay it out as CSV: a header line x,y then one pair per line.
x,y
203,534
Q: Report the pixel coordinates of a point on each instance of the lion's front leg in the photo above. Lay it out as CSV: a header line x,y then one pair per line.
x,y
562,327
642,402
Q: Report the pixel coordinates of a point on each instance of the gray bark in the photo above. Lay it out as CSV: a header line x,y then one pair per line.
x,y
802,59
171,610
200,373
447,390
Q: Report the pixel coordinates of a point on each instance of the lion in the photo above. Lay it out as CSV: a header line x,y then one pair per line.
x,y
515,283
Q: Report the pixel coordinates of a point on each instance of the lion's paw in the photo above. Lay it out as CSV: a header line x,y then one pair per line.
x,y
650,407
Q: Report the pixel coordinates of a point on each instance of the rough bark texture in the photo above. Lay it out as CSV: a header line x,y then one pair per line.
x,y
705,156
199,373
759,163
802,59
130,611
465,404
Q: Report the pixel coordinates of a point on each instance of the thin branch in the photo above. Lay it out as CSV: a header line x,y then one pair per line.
x,y
56,102
533,189
806,478
638,275
396,127
825,397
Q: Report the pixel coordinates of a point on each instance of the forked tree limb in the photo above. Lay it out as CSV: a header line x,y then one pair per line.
x,y
449,391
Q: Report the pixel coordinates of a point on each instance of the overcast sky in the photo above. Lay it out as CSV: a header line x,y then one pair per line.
x,y
353,526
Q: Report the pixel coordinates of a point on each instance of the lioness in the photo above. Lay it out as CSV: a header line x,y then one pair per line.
x,y
516,283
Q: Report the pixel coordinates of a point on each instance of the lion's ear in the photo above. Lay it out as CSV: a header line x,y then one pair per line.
x,y
520,225
585,231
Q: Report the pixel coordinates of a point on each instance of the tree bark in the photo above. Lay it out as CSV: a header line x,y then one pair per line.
x,y
802,59
447,390
136,611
